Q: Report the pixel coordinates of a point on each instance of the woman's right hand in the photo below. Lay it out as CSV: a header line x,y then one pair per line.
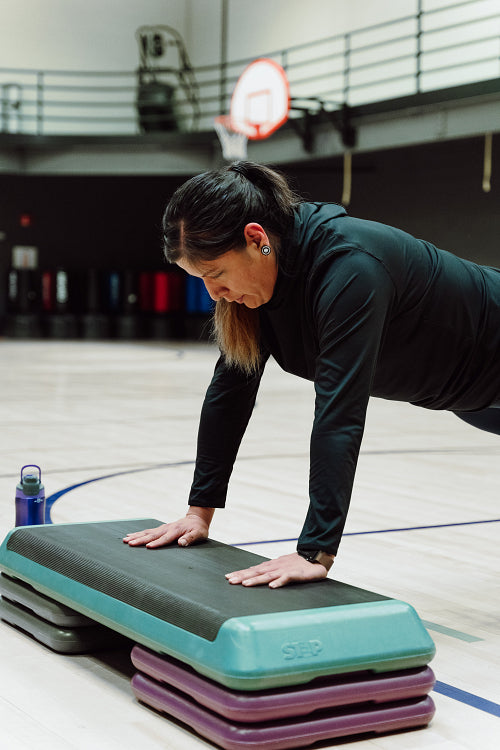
x,y
192,528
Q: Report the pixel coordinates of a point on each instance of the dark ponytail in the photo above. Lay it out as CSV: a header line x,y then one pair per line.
x,y
207,215
206,218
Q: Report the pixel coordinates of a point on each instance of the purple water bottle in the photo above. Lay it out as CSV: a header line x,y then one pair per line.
x,y
30,498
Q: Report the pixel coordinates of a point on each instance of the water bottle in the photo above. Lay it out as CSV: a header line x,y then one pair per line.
x,y
30,497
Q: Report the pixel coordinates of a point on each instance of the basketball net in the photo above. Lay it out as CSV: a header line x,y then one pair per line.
x,y
232,141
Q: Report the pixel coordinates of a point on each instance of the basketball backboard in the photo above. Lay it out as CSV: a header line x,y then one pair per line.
x,y
259,106
261,99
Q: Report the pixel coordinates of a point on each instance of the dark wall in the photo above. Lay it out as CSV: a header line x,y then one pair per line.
x,y
78,222
433,191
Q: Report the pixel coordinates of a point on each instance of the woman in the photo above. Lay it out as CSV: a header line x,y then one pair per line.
x,y
357,307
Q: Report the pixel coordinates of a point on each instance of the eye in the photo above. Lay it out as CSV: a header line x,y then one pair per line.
x,y
213,275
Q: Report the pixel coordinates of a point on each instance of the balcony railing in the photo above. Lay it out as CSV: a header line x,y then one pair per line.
x,y
432,49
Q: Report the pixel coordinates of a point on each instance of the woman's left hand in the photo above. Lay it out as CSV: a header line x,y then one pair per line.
x,y
275,573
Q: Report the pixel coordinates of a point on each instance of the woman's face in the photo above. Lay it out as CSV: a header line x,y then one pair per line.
x,y
243,276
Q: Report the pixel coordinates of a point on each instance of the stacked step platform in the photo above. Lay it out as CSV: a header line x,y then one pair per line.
x,y
242,667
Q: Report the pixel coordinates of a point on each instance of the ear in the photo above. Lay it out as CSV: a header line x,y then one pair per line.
x,y
256,235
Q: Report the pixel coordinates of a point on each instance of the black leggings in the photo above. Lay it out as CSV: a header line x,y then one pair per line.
x,y
486,419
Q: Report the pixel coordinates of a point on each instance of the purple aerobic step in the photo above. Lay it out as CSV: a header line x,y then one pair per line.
x,y
279,703
283,733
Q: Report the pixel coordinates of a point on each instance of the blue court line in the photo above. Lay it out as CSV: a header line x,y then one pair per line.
x,y
469,699
379,531
421,528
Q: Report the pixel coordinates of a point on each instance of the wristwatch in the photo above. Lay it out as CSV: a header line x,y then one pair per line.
x,y
317,556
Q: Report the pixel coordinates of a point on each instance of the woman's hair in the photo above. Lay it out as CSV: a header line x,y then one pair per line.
x,y
206,217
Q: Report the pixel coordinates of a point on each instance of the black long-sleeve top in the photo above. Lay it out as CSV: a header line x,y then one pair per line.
x,y
360,309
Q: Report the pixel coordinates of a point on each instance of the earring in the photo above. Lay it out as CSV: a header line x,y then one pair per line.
x,y
265,250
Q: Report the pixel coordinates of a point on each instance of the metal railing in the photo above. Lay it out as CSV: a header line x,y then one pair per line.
x,y
431,49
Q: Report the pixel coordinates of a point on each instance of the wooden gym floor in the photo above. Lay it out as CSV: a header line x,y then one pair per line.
x,y
113,426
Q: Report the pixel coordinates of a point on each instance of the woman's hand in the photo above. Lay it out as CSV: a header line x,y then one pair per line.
x,y
192,528
285,569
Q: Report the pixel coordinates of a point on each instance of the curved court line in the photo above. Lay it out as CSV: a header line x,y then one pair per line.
x,y
51,499
373,452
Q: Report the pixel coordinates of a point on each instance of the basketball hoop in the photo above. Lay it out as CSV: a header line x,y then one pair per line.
x,y
259,105
233,142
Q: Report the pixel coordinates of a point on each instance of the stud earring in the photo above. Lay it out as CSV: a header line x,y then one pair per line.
x,y
265,250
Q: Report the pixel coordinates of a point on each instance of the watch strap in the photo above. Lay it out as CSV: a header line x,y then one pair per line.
x,y
317,556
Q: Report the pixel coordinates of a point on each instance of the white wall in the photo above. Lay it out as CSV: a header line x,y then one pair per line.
x,y
80,34
268,25
99,34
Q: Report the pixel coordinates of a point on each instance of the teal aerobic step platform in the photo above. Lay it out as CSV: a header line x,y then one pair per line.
x,y
177,602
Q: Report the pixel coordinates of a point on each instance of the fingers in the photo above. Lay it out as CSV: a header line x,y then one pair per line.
x,y
151,537
190,537
278,572
185,532
270,578
251,577
164,539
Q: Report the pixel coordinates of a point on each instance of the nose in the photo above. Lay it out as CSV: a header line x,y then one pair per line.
x,y
215,290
